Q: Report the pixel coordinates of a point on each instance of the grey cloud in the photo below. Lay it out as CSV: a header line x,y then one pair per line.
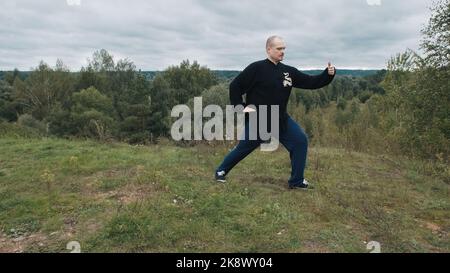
x,y
219,34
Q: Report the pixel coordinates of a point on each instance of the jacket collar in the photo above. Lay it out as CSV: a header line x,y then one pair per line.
x,y
270,62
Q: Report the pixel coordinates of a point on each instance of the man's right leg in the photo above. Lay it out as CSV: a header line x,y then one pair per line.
x,y
244,148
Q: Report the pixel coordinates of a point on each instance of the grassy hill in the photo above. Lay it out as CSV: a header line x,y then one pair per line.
x,y
118,197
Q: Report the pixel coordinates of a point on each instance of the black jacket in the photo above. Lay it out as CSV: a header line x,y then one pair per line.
x,y
266,83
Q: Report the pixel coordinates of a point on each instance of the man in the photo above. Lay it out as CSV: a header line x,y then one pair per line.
x,y
269,82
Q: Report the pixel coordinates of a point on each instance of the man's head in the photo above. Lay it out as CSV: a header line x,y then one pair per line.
x,y
275,47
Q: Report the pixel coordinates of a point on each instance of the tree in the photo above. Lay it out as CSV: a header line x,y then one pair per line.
x,y
10,77
90,113
216,94
129,91
189,80
162,98
418,92
8,108
436,35
44,89
96,73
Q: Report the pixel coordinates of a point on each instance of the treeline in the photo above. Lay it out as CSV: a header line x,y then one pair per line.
x,y
340,91
111,99
106,99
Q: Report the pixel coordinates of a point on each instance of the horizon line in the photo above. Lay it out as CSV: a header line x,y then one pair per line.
x,y
215,69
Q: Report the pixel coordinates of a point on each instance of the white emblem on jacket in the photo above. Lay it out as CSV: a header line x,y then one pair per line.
x,y
287,80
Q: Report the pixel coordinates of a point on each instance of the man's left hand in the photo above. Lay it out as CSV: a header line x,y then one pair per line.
x,y
331,69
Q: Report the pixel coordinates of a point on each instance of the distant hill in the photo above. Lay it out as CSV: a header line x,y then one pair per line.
x,y
230,74
22,74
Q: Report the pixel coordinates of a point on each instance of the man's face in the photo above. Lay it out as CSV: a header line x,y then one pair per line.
x,y
276,51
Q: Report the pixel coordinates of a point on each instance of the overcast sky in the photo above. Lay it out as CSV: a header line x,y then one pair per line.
x,y
225,34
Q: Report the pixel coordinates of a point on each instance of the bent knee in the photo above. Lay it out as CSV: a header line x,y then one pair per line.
x,y
302,139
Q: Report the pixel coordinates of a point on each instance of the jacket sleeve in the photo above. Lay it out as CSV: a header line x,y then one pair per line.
x,y
241,84
304,81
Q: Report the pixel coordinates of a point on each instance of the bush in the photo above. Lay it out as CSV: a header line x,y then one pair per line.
x,y
364,96
27,120
8,129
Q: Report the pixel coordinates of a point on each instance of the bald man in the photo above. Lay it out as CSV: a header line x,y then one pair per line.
x,y
269,82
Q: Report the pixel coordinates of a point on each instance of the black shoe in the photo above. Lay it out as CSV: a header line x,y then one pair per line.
x,y
303,186
220,176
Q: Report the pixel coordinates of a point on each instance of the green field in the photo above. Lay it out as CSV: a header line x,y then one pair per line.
x,y
114,197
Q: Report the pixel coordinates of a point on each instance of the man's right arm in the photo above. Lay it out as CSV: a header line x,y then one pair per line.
x,y
241,84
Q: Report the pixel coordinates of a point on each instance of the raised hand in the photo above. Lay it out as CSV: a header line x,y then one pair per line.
x,y
331,69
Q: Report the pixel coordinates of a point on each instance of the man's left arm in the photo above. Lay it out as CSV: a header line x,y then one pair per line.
x,y
304,81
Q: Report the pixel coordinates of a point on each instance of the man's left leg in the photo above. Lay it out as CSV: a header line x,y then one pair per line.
x,y
296,142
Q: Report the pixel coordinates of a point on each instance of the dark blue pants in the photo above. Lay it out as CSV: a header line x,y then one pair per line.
x,y
293,139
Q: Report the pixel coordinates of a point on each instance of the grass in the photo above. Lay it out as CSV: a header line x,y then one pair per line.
x,y
161,198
